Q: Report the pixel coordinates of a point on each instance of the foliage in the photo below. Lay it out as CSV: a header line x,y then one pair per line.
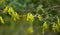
x,y
31,17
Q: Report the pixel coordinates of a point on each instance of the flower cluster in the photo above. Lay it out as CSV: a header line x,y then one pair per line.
x,y
11,12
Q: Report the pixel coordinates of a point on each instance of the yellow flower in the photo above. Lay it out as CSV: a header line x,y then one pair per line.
x,y
1,19
10,11
30,17
30,30
39,17
5,10
54,27
15,16
45,25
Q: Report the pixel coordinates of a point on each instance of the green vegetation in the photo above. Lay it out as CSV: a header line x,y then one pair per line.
x,y
29,17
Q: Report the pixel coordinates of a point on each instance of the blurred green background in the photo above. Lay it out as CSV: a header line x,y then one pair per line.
x,y
48,9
